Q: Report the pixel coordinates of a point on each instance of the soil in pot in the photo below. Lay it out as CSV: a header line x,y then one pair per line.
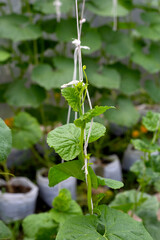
x,y
15,189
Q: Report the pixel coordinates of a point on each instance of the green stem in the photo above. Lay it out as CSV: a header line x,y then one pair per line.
x,y
89,184
40,159
29,10
6,176
89,193
81,145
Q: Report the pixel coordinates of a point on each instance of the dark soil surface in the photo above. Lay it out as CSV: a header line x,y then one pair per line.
x,y
15,189
45,174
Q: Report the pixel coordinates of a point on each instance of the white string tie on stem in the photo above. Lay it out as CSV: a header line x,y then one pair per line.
x,y
57,4
83,20
74,82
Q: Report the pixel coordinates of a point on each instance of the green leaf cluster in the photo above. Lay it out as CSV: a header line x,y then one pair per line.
x,y
110,224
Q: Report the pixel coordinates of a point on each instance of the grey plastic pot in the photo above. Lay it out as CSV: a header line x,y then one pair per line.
x,y
110,168
130,157
16,206
144,108
49,193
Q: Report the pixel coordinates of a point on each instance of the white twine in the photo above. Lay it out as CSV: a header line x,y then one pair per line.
x,y
115,3
78,42
78,58
57,4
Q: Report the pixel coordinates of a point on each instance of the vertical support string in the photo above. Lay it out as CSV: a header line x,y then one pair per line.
x,y
57,4
115,3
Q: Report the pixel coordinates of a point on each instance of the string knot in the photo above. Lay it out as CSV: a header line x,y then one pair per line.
x,y
83,20
76,42
57,3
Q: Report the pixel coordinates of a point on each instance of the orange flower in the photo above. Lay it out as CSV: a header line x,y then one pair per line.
x,y
135,134
143,129
9,122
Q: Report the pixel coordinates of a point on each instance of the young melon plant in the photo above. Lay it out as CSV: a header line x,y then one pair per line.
x,y
69,142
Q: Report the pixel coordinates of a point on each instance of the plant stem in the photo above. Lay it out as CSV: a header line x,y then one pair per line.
x,y
88,180
81,145
40,159
6,176
89,193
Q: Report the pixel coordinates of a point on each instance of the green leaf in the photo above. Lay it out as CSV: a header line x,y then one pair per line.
x,y
93,176
125,114
91,39
39,226
26,131
4,55
153,227
108,78
72,97
65,141
110,183
105,8
64,207
111,224
18,28
150,62
118,44
5,141
138,168
149,32
152,90
47,7
130,79
150,17
121,226
151,121
61,216
80,228
147,206
96,111
65,170
144,146
62,201
98,130
5,233
20,96
45,76
66,30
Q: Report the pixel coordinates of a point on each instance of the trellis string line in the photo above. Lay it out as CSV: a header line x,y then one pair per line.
x,y
57,4
115,3
79,29
78,57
